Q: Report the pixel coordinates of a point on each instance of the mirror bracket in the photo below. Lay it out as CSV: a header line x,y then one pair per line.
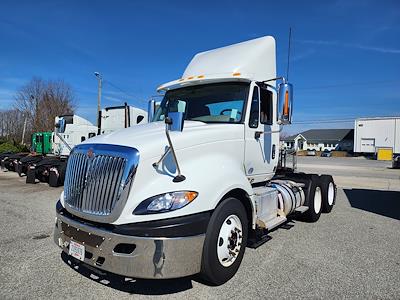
x,y
169,123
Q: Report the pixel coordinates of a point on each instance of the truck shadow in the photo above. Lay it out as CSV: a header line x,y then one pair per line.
x,y
130,285
385,203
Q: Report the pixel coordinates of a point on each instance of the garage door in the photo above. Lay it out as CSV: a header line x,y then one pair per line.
x,y
368,145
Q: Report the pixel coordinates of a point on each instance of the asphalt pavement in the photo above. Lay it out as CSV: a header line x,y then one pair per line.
x,y
351,253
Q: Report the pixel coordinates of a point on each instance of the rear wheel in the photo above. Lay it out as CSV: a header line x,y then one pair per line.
x,y
328,191
314,200
225,242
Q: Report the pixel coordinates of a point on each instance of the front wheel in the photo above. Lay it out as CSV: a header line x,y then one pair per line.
x,y
225,242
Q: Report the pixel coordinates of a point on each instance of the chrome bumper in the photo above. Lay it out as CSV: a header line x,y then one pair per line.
x,y
151,257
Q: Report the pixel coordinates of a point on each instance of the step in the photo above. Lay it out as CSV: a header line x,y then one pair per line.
x,y
301,209
275,222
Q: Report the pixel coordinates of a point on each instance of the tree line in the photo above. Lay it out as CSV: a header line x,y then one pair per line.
x,y
35,106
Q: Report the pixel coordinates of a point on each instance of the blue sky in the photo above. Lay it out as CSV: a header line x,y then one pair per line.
x,y
345,60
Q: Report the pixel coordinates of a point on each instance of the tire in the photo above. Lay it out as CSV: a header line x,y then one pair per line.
x,y
218,265
328,192
314,200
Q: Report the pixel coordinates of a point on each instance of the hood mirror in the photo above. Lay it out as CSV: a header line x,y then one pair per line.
x,y
60,125
151,110
285,103
175,121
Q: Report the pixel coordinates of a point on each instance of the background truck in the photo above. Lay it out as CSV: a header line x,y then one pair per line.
x,y
42,142
75,130
41,145
378,136
187,193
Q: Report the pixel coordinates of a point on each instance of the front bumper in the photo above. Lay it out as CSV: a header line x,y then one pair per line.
x,y
152,257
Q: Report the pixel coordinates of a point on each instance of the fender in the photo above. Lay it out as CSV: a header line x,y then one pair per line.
x,y
211,173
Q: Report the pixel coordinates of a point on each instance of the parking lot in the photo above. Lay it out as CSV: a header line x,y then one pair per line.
x,y
350,253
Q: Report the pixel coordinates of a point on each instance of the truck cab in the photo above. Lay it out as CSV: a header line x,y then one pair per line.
x,y
187,192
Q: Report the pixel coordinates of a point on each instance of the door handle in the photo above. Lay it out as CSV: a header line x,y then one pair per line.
x,y
258,134
273,151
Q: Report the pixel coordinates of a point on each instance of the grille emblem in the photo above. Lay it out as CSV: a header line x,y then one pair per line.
x,y
90,153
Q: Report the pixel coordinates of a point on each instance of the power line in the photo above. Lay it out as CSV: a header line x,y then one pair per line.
x,y
324,121
365,83
123,91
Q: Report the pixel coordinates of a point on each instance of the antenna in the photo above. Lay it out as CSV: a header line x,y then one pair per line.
x,y
288,54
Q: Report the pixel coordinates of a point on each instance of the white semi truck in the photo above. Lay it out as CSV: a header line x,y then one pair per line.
x,y
187,193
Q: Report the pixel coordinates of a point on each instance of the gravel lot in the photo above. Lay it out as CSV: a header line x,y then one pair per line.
x,y
352,252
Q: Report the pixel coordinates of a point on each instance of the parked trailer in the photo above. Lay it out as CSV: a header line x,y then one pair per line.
x,y
379,136
117,117
187,192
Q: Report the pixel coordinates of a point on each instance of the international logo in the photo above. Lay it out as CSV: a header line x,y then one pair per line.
x,y
90,153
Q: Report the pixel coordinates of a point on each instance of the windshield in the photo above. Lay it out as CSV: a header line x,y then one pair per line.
x,y
211,103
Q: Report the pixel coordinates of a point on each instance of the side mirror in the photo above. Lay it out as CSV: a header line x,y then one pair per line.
x,y
151,110
285,103
174,121
60,125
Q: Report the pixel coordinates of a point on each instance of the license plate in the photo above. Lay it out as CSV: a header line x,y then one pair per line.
x,y
77,250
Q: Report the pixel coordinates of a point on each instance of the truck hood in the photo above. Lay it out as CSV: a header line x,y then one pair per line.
x,y
151,141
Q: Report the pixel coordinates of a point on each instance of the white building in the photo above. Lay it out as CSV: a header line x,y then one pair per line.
x,y
321,139
370,134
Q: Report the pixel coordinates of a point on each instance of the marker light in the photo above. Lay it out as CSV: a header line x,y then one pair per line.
x,y
286,105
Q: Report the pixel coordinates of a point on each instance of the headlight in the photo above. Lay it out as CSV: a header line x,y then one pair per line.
x,y
165,202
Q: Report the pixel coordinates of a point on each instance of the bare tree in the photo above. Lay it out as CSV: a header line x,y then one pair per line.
x,y
41,101
11,125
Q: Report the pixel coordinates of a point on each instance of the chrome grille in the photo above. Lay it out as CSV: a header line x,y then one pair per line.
x,y
98,179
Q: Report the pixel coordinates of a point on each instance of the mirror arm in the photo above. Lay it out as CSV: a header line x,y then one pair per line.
x,y
64,141
179,177
156,164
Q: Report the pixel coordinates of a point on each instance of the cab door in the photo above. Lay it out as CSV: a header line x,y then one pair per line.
x,y
261,148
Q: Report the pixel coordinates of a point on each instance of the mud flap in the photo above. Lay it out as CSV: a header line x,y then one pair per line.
x,y
31,175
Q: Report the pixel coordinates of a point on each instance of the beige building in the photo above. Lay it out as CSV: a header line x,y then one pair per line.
x,y
321,139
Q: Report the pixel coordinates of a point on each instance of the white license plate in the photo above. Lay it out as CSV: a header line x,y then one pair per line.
x,y
77,250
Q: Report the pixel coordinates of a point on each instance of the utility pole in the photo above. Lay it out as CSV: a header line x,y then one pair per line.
x,y
23,132
99,84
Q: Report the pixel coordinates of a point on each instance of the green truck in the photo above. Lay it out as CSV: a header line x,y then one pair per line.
x,y
42,142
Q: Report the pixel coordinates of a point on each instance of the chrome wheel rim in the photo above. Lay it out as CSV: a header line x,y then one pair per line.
x,y
229,240
331,193
317,200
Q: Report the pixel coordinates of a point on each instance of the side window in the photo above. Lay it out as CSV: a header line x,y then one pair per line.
x,y
91,134
82,138
266,107
254,109
139,119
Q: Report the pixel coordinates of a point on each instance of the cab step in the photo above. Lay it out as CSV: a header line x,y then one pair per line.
x,y
275,222
301,209
258,238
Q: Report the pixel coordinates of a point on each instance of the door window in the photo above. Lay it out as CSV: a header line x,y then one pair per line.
x,y
254,109
266,107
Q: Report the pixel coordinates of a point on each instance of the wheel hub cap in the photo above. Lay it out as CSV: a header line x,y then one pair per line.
x,y
229,240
